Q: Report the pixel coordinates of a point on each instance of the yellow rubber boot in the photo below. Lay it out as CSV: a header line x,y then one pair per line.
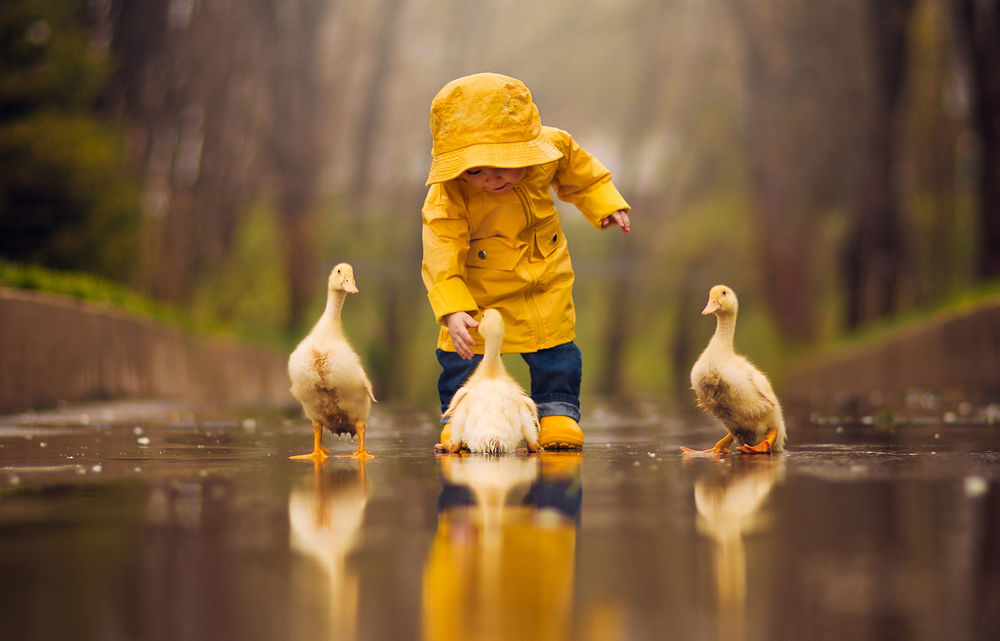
x,y
442,445
559,433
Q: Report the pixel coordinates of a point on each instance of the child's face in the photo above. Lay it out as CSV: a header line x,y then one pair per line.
x,y
493,180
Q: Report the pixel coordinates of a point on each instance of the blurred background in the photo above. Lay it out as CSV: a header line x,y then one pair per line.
x,y
837,163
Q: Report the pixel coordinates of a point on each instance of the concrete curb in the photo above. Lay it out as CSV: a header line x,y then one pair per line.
x,y
956,352
56,349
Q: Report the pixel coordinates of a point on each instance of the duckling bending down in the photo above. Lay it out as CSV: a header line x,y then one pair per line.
x,y
732,390
326,374
491,413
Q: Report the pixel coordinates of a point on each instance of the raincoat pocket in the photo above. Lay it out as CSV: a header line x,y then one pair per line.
x,y
494,252
548,236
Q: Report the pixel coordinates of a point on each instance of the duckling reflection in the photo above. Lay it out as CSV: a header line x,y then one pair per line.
x,y
325,517
729,499
501,565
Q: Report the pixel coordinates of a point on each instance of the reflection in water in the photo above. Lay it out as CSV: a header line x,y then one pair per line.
x,y
325,519
501,565
729,500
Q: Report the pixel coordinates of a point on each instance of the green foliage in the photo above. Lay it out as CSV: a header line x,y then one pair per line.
x,y
877,331
66,199
86,287
47,60
250,292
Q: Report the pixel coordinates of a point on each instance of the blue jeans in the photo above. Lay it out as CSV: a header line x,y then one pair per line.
x,y
555,378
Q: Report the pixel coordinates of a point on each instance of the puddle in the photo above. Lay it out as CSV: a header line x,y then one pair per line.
x,y
183,524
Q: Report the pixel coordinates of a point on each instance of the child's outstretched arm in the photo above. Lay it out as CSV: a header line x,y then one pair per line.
x,y
619,218
458,327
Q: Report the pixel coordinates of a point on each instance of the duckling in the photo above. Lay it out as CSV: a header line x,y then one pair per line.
x,y
327,377
731,389
490,413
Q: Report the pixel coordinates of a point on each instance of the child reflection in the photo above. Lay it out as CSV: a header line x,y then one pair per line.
x,y
325,517
501,564
728,497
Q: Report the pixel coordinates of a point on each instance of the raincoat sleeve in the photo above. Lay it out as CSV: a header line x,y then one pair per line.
x,y
583,181
446,245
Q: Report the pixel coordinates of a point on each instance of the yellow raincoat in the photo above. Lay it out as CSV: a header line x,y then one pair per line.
x,y
508,251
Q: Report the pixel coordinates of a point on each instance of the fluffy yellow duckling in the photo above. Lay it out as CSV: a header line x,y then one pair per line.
x,y
731,389
490,413
326,373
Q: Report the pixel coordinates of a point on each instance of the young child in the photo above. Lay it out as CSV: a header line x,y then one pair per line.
x,y
492,238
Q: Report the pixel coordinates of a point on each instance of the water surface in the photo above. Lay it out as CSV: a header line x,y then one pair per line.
x,y
153,521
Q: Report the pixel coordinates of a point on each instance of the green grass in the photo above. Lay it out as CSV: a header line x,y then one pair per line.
x,y
93,289
882,329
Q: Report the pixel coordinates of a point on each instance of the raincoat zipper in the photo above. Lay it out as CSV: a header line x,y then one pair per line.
x,y
529,295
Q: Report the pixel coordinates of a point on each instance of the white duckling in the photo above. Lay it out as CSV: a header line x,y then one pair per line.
x,y
326,373
731,389
490,413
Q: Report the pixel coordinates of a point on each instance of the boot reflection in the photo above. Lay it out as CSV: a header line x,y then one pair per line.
x,y
728,499
501,565
325,517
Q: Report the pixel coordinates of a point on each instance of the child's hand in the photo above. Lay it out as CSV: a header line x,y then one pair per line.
x,y
619,218
458,327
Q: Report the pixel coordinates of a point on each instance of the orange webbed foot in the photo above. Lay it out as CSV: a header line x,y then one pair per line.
x,y
764,447
360,454
687,451
316,456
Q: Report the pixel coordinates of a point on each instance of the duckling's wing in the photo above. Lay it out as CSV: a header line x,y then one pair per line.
x,y
529,419
762,386
368,386
456,399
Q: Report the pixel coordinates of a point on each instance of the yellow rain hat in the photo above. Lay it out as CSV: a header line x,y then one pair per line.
x,y
485,120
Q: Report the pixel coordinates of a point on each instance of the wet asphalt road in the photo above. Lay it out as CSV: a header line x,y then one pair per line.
x,y
154,521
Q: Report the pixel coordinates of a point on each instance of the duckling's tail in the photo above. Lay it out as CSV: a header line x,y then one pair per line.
x,y
494,445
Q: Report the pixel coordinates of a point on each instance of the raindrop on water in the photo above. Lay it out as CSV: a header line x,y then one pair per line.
x,y
975,486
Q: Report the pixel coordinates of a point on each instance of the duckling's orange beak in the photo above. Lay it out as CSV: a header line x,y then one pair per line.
x,y
347,283
711,307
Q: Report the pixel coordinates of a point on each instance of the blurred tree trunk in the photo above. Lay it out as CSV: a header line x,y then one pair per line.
x,y
224,110
372,102
874,255
791,132
932,134
648,19
977,27
297,141
188,76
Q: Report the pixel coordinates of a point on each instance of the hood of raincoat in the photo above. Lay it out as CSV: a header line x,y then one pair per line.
x,y
485,120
